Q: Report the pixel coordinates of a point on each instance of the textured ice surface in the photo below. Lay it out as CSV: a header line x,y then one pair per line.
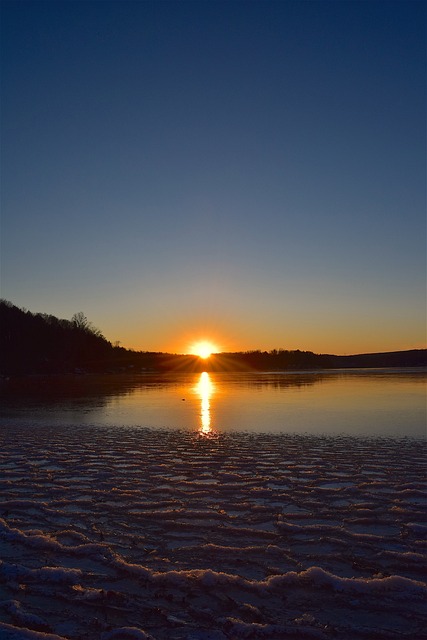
x,y
128,534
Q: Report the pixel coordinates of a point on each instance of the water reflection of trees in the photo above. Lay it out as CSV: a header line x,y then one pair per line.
x,y
281,381
95,385
60,388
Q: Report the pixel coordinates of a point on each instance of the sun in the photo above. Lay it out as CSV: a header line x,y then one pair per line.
x,y
203,349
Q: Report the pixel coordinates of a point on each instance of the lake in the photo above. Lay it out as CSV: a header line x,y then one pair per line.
x,y
358,402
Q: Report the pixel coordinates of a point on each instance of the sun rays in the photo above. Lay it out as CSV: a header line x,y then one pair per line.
x,y
204,349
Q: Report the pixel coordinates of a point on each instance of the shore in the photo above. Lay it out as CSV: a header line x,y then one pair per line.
x,y
130,533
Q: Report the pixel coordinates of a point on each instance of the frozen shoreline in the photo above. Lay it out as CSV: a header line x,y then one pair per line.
x,y
177,536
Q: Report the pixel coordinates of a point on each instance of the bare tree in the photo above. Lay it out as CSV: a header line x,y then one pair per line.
x,y
80,321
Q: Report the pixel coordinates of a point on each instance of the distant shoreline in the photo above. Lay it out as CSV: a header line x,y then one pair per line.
x,y
282,361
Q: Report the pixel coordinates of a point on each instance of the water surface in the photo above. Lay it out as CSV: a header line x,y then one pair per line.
x,y
351,402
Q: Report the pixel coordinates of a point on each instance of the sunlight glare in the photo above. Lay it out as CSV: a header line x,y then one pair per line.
x,y
204,349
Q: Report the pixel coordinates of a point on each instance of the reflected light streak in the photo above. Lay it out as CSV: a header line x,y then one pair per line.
x,y
205,389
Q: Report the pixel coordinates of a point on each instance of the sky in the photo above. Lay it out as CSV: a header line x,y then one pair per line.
x,y
250,172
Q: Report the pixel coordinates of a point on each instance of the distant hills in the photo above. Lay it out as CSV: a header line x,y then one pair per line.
x,y
278,360
412,358
38,343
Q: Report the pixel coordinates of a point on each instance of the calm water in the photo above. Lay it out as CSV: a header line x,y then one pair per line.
x,y
352,402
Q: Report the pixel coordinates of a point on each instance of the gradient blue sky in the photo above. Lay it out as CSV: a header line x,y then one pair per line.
x,y
249,172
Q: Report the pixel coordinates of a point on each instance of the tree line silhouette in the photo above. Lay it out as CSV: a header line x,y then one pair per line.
x,y
39,343
42,343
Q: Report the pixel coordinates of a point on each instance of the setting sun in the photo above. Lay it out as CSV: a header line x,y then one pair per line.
x,y
203,349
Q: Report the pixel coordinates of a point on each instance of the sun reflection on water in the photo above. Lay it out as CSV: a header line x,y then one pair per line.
x,y
205,389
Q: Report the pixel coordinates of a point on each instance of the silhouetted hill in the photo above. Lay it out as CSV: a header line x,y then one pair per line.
x,y
283,360
412,358
38,343
41,343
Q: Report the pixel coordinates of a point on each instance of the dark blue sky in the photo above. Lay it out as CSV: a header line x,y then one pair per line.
x,y
249,172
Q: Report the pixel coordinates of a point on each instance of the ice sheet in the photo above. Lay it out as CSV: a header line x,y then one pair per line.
x,y
122,533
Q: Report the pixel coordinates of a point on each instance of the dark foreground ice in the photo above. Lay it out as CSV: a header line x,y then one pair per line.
x,y
126,534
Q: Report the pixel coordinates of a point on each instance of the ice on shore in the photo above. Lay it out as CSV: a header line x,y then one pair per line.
x,y
138,534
